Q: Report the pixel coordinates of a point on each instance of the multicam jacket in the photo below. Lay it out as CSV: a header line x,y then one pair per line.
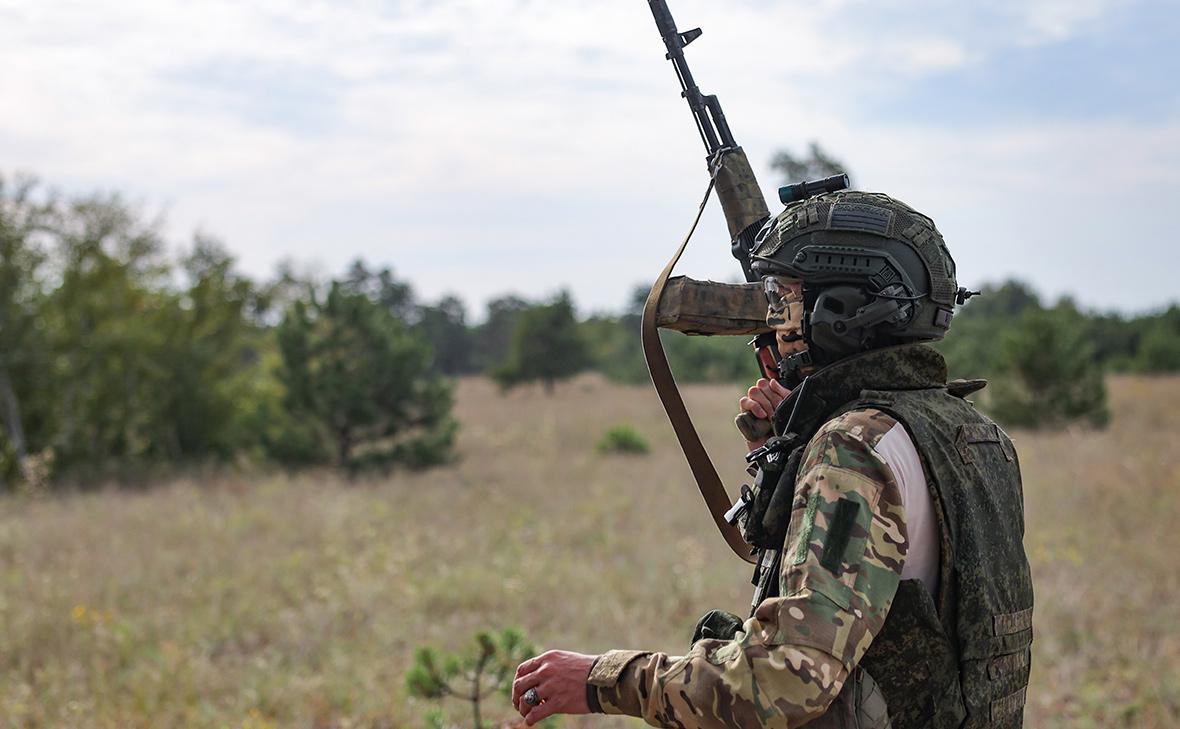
x,y
791,659
957,659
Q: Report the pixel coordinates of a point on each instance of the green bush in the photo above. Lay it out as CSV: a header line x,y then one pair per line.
x,y
1047,373
354,371
622,439
1159,350
546,346
616,351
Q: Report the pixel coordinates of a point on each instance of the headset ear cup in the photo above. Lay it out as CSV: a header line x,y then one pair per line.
x,y
829,332
849,319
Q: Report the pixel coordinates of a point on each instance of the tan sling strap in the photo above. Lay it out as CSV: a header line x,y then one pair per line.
x,y
707,478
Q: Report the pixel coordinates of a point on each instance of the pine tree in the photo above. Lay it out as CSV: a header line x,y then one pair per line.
x,y
1048,375
546,346
357,375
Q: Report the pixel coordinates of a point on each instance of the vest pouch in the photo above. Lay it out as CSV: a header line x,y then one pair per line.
x,y
777,515
996,667
764,525
914,664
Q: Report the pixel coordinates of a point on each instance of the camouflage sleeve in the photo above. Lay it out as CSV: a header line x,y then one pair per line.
x,y
842,562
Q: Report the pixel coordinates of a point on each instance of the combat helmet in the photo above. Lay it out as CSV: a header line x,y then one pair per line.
x,y
875,271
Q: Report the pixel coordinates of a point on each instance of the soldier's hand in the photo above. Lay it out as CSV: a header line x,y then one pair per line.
x,y
761,401
764,397
560,680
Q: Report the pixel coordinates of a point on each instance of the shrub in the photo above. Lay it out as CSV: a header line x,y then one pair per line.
x,y
546,346
364,383
1159,350
1048,376
622,439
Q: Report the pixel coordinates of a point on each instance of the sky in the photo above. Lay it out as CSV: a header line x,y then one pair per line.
x,y
485,147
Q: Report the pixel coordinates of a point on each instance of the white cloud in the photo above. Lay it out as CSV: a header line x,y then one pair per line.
x,y
1056,20
516,135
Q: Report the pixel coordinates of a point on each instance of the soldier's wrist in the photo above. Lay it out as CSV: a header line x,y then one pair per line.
x,y
592,701
607,668
612,685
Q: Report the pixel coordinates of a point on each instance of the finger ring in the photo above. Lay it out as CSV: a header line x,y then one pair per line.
x,y
531,697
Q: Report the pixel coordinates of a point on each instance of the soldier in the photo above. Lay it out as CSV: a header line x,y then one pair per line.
x,y
888,514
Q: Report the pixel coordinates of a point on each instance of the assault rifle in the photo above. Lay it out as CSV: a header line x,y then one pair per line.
x,y
745,213
696,307
737,188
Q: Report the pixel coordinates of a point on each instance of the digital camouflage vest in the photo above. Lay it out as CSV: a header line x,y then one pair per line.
x,y
961,658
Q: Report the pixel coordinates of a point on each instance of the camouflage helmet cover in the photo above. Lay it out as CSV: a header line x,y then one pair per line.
x,y
870,241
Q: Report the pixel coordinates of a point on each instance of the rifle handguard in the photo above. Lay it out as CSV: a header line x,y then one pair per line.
x,y
737,189
711,308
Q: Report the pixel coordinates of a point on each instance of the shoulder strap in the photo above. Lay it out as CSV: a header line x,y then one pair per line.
x,y
708,481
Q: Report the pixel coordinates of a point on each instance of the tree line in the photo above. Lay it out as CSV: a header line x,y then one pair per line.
x,y
115,356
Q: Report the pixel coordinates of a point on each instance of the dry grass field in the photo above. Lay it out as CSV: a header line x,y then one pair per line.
x,y
297,601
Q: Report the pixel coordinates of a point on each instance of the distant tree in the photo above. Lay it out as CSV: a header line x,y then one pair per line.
x,y
1047,375
1159,348
615,349
613,343
816,164
1119,336
710,359
444,326
108,320
22,344
1008,300
381,287
546,346
211,350
492,340
357,374
273,298
111,358
970,346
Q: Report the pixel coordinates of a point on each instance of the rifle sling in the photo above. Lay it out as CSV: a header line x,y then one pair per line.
x,y
707,478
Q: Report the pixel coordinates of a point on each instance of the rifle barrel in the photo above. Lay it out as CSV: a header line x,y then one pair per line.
x,y
706,110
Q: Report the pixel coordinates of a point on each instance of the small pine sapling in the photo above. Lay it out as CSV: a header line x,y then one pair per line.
x,y
472,676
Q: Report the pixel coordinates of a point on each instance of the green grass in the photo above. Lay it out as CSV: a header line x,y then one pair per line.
x,y
298,601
